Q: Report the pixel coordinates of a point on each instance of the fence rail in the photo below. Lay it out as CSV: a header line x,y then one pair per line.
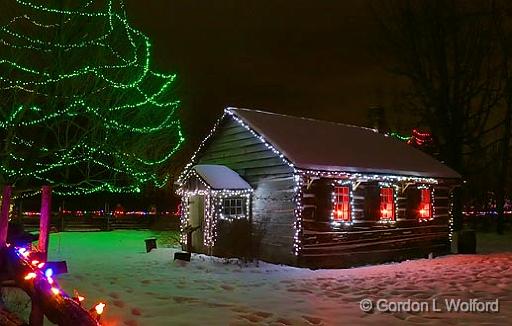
x,y
96,222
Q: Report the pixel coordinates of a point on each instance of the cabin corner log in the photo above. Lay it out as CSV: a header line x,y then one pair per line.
x,y
59,309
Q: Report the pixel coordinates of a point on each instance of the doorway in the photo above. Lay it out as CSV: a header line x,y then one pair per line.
x,y
196,219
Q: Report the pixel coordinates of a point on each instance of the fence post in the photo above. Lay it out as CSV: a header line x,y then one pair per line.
x,y
44,222
4,214
36,313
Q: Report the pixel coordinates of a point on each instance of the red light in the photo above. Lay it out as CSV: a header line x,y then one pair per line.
x,y
99,308
30,276
77,296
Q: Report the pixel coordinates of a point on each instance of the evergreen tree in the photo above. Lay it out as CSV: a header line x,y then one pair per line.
x,y
81,108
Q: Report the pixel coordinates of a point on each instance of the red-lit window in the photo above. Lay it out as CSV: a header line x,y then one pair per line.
x,y
341,209
387,204
425,209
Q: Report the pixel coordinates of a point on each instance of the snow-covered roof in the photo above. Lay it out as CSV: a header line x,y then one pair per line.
x,y
221,177
327,146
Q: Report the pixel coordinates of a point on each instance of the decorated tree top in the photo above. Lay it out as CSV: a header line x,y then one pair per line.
x,y
81,108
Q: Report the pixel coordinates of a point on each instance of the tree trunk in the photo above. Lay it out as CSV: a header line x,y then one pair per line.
x,y
44,223
457,209
4,227
455,162
4,214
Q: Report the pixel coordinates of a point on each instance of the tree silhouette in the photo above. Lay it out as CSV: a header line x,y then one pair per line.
x,y
447,51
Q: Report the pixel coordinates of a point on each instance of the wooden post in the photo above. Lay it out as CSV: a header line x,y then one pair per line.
x,y
57,308
36,313
44,222
4,214
7,318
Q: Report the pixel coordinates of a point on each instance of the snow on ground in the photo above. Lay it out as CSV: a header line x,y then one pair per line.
x,y
151,289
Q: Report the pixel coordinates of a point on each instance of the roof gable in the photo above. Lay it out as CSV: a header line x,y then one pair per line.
x,y
327,146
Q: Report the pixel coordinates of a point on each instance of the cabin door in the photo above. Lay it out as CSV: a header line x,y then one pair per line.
x,y
196,219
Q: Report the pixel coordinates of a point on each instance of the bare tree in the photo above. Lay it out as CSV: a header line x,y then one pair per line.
x,y
447,52
502,13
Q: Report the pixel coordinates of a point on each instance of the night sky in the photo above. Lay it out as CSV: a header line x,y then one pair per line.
x,y
303,57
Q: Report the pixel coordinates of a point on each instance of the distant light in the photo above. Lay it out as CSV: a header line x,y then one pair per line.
x,y
55,291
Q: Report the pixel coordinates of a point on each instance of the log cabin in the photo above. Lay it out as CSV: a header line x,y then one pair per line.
x,y
312,193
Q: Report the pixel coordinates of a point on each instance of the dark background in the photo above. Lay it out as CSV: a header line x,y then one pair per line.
x,y
317,59
309,58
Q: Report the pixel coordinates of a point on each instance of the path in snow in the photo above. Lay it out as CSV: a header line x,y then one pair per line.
x,y
151,289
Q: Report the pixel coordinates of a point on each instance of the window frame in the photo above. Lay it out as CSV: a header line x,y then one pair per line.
x,y
422,203
234,207
345,203
387,199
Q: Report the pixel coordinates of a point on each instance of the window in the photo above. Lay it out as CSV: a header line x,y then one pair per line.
x,y
234,207
387,204
341,209
425,209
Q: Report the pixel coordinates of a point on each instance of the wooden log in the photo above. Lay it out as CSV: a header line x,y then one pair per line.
x,y
4,214
58,308
36,317
9,319
44,222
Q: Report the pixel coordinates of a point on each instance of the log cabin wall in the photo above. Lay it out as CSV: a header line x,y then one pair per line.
x,y
272,203
325,245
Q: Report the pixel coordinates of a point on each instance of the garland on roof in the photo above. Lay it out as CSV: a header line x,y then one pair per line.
x,y
417,138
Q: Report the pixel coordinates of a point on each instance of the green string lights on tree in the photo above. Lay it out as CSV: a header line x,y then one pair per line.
x,y
81,108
